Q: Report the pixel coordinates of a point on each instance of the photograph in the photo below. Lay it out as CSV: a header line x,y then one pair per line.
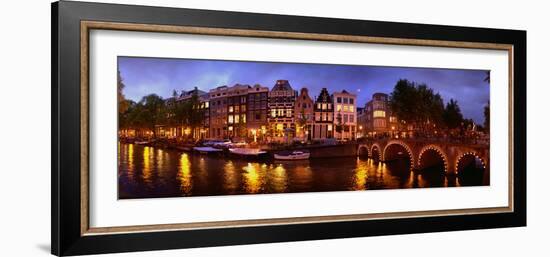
x,y
199,127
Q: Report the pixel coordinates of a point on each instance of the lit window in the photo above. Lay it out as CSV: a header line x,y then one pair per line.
x,y
274,113
236,118
345,107
243,118
379,114
329,127
324,106
230,108
338,107
230,119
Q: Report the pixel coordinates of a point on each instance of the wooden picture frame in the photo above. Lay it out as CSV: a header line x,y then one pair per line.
x,y
71,25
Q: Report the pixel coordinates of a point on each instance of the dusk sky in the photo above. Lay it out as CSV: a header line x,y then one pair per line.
x,y
143,76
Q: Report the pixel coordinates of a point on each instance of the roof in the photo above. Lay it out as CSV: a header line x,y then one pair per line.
x,y
281,85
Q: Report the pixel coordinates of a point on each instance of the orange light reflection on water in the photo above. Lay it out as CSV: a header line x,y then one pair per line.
x,y
184,174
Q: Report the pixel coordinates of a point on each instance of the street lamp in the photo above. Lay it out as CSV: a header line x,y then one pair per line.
x,y
253,134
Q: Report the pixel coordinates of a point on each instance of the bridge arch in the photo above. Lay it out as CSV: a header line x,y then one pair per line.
x,y
376,152
388,155
435,149
363,150
473,154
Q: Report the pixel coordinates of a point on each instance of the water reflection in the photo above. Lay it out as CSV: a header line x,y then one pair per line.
x,y
146,172
184,174
254,181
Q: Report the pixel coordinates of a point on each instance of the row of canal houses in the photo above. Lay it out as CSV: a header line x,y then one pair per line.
x,y
282,113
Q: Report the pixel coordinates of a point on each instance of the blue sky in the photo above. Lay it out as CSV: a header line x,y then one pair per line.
x,y
161,76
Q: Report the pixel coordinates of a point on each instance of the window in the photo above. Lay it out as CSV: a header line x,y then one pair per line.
x,y
345,108
351,119
324,116
273,113
243,108
230,119
243,118
329,127
324,106
351,109
329,106
379,123
393,119
338,107
236,118
351,101
318,105
339,100
236,108
345,118
379,114
345,100
257,116
230,108
304,105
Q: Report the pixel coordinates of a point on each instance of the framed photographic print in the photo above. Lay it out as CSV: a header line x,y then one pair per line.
x,y
177,128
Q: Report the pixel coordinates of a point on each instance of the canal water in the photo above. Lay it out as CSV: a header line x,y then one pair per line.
x,y
148,172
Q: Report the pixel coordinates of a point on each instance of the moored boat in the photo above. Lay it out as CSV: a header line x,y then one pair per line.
x,y
294,155
247,151
207,149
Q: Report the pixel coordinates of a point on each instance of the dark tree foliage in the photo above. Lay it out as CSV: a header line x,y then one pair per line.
x,y
417,104
452,116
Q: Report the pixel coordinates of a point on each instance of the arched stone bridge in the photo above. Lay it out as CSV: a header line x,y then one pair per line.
x,y
424,153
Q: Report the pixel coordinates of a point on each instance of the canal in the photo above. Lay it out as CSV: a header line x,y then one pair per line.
x,y
148,172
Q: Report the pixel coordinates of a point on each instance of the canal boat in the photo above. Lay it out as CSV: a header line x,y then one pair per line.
x,y
294,155
207,149
251,152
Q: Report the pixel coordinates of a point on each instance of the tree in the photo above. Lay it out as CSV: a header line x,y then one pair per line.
x,y
452,116
125,119
487,121
417,104
403,101
122,104
301,121
339,127
195,114
152,112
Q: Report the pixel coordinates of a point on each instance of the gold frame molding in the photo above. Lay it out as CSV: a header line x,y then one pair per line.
x,y
86,26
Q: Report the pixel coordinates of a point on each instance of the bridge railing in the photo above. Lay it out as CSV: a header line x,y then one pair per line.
x,y
446,140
